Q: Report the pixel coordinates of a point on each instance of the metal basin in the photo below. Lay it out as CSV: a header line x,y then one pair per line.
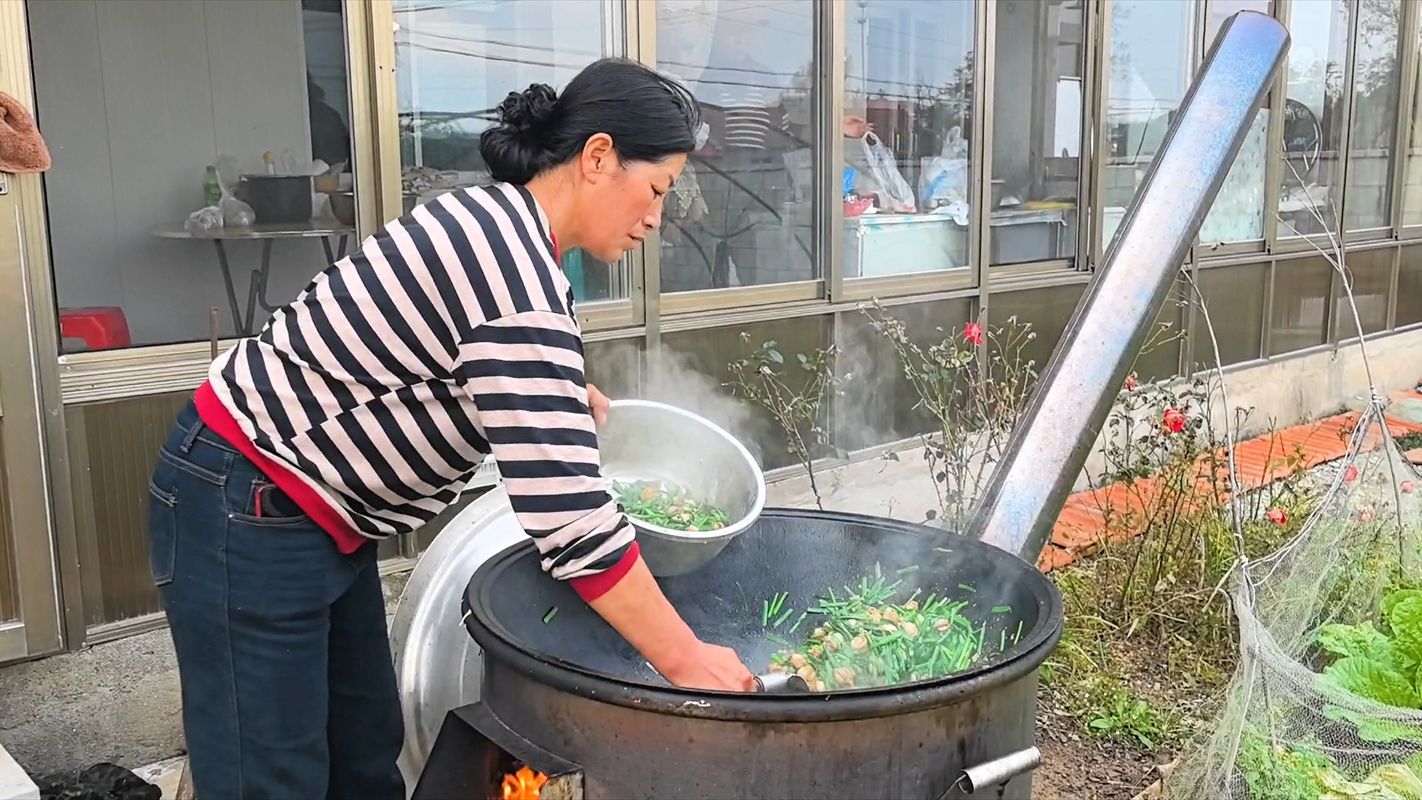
x,y
647,441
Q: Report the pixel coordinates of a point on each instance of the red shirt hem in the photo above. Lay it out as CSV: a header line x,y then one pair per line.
x,y
216,416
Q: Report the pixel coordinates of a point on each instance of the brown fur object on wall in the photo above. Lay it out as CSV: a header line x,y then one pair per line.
x,y
22,149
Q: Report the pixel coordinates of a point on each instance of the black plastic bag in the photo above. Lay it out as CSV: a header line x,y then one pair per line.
x,y
102,782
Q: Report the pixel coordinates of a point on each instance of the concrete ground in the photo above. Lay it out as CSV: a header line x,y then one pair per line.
x,y
117,702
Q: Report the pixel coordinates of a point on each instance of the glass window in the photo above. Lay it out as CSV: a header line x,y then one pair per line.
x,y
1036,130
1371,272
693,372
455,60
150,109
1376,75
1150,67
1313,116
1301,288
908,103
1412,172
1234,296
1238,212
879,404
742,212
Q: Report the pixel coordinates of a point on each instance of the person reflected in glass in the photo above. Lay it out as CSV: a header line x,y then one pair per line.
x,y
742,168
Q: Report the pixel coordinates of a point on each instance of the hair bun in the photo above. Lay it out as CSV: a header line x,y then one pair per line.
x,y
529,111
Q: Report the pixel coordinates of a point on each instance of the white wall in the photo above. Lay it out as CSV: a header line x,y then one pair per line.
x,y
135,98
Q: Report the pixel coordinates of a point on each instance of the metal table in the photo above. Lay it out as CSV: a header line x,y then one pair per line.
x,y
267,235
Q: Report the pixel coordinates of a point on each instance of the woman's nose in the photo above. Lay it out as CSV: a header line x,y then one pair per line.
x,y
653,220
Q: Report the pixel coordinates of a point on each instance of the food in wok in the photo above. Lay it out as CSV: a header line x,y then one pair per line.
x,y
861,637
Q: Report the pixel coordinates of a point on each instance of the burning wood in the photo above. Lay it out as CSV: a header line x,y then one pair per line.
x,y
525,784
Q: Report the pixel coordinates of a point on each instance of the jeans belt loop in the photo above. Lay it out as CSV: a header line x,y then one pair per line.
x,y
192,436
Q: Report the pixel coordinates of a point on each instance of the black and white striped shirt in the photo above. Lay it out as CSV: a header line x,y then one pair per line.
x,y
447,337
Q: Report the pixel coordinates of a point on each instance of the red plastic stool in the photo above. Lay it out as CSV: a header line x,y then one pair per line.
x,y
99,327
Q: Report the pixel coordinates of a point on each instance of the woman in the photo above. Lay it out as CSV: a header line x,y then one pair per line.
x,y
367,403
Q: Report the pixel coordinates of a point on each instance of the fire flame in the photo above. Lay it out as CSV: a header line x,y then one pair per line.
x,y
526,784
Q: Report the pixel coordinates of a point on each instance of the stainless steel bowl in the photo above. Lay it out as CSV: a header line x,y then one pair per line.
x,y
647,441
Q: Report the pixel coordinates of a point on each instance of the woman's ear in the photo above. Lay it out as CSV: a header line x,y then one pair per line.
x,y
598,157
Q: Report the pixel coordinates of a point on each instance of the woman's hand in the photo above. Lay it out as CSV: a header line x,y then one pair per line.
x,y
709,666
598,404
856,127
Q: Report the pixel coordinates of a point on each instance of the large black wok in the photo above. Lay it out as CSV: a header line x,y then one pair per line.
x,y
575,689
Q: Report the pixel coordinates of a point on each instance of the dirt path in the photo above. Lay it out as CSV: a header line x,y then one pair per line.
x,y
1080,767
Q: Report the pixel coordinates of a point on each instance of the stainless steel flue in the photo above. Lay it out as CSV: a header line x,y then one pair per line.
x,y
1047,451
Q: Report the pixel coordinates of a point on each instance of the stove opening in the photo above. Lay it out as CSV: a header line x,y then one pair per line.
x,y
524,783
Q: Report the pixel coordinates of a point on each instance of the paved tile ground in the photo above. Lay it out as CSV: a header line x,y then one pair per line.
x,y
1081,527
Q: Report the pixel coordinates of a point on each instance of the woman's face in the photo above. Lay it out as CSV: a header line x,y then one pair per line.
x,y
625,204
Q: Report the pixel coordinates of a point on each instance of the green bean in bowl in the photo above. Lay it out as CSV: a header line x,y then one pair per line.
x,y
667,507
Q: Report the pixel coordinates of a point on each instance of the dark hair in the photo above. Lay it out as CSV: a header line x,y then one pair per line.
x,y
648,115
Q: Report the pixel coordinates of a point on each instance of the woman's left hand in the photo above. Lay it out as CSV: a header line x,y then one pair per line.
x,y
598,404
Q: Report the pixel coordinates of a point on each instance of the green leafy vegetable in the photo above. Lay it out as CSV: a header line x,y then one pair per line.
x,y
1404,617
1300,773
667,507
1374,680
1379,664
1354,640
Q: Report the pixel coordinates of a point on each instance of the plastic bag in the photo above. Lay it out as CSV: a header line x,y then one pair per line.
x,y
896,191
235,213
204,219
944,182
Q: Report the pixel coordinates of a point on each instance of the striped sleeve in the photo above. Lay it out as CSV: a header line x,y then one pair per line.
x,y
524,373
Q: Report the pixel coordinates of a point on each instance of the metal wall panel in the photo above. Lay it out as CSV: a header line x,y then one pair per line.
x,y
9,586
113,447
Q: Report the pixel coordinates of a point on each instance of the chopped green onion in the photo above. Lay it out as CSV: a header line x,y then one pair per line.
x,y
965,587
1002,609
803,614
548,617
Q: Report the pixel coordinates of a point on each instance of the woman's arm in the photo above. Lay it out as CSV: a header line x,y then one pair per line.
x,y
525,375
636,608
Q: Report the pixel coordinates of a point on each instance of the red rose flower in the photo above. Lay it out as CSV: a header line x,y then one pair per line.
x,y
1406,487
1131,382
973,334
1350,475
1277,516
1174,420
1365,514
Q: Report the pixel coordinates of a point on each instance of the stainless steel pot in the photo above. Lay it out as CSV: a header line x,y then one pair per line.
x,y
647,441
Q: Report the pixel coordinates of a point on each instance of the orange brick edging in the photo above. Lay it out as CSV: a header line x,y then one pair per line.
x,y
1081,526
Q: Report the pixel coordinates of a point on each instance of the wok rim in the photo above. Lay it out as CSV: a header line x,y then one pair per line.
x,y
753,468
1021,660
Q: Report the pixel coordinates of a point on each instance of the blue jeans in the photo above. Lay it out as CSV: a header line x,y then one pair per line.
x,y
287,682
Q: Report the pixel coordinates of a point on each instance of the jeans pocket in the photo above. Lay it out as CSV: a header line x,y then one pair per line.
x,y
162,534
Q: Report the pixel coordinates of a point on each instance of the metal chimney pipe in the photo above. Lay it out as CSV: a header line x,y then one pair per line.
x,y
1021,502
